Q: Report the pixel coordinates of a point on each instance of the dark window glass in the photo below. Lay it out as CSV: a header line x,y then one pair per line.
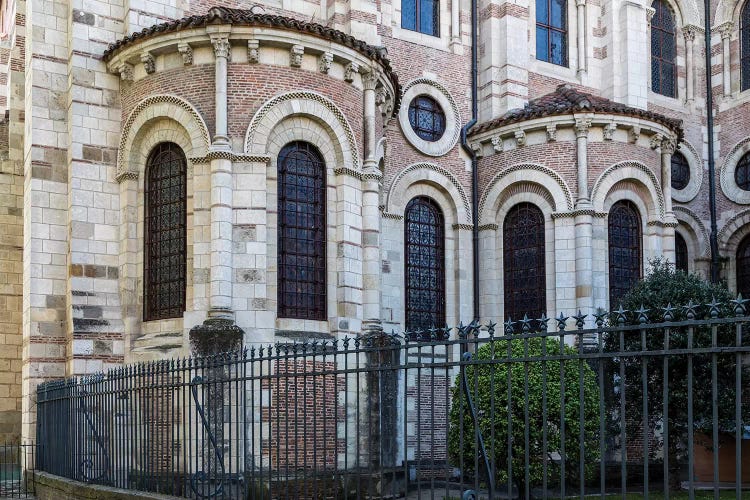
x,y
523,262
743,267
165,233
552,31
624,250
427,118
742,172
421,15
663,50
302,232
424,238
680,252
680,171
745,47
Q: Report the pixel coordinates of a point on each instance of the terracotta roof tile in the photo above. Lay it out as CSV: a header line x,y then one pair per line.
x,y
566,100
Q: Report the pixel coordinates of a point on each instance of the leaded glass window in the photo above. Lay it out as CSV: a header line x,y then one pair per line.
x,y
663,50
427,118
425,265
680,171
523,262
745,46
301,232
743,267
742,172
680,252
552,31
165,233
624,249
421,15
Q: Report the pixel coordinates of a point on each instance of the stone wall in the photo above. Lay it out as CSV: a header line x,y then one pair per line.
x,y
49,487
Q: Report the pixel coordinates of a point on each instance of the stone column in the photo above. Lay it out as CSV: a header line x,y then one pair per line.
x,y
581,38
689,34
455,24
667,146
725,30
222,51
584,221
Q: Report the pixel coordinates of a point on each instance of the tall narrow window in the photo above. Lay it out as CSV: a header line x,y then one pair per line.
x,y
421,15
425,264
680,171
745,48
523,262
680,252
624,249
165,234
302,232
552,31
743,267
663,50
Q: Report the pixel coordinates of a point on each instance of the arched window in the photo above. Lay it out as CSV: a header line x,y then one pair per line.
x,y
680,171
624,249
165,233
743,267
742,172
552,31
745,48
421,15
427,118
302,232
424,238
680,252
523,262
663,50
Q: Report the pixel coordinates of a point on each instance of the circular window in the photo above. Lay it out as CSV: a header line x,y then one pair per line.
x,y
427,118
680,171
742,172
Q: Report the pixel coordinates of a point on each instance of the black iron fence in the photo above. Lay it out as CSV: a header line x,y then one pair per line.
x,y
16,465
526,409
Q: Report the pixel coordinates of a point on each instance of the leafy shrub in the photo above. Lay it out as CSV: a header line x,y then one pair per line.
x,y
486,380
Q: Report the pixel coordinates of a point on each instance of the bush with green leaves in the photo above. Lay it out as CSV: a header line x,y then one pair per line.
x,y
665,286
495,404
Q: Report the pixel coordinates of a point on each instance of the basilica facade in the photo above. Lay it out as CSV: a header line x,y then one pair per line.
x,y
313,169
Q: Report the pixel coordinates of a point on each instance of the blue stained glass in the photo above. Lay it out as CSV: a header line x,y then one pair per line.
x,y
542,44
409,14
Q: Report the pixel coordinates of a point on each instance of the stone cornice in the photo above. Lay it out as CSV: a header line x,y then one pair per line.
x,y
590,212
228,155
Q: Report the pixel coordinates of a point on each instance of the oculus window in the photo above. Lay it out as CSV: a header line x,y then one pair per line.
x,y
301,232
424,239
165,233
523,262
663,50
742,172
427,118
625,249
421,15
680,171
552,31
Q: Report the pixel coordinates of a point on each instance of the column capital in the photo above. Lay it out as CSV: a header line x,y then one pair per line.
x,y
580,3
221,46
650,11
370,79
582,127
725,29
656,141
668,145
689,31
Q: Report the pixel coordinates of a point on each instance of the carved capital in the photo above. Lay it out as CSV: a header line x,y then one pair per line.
x,y
725,29
552,133
253,51
650,11
668,146
582,127
520,138
609,131
295,55
656,141
149,63
690,31
350,70
187,53
370,80
126,72
222,48
497,143
477,148
324,62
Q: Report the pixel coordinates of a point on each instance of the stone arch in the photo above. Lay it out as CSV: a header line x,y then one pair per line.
x,y
727,172
733,231
160,113
431,175
728,11
637,174
308,104
691,223
687,12
536,178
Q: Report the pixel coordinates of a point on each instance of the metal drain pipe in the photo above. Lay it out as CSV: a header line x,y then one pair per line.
x,y
710,131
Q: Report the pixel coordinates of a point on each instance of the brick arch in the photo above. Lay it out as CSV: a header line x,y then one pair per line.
x,y
639,175
164,112
538,178
311,105
431,175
